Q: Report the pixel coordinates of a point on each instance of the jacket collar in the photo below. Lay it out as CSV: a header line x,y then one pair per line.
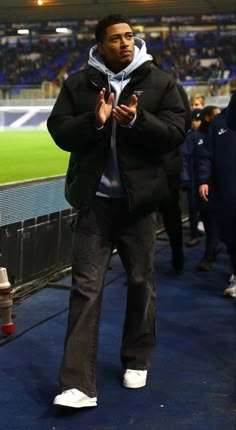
x,y
99,79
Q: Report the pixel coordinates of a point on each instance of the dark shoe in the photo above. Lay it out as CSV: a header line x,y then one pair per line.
x,y
205,265
192,242
178,263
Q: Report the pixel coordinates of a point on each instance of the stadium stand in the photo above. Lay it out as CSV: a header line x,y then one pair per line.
x,y
192,57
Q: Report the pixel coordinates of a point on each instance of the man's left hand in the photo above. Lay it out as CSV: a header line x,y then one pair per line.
x,y
125,114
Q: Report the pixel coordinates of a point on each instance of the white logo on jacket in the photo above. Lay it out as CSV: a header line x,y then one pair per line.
x,y
200,142
222,130
138,93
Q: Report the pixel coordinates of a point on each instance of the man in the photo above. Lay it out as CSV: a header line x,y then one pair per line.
x,y
117,118
217,179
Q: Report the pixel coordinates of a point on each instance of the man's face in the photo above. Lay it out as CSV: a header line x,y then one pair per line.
x,y
117,48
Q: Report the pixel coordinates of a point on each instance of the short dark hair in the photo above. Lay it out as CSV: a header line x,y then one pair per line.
x,y
100,30
207,111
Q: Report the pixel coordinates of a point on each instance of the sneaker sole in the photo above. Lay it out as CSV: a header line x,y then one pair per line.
x,y
138,385
230,295
82,404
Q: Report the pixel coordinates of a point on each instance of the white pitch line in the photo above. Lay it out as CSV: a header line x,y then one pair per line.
x,y
23,119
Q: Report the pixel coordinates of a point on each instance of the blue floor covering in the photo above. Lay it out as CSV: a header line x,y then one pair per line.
x,y
191,382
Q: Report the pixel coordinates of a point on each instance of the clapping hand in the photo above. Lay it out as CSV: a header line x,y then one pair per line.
x,y
124,114
103,109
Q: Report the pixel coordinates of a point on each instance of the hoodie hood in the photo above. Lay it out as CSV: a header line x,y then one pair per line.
x,y
140,57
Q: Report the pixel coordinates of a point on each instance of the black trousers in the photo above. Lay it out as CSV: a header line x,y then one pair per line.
x,y
105,226
232,253
208,218
193,210
231,244
226,221
172,217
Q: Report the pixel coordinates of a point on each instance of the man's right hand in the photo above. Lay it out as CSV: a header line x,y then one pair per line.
x,y
103,109
203,191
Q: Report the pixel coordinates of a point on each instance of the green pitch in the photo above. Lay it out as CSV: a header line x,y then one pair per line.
x,y
26,155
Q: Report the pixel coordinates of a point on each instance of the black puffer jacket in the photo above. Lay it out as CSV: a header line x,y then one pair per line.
x,y
159,127
173,160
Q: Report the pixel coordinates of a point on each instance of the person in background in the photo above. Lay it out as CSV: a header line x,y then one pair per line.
x,y
195,119
231,111
197,101
188,180
198,210
170,208
206,210
117,118
217,179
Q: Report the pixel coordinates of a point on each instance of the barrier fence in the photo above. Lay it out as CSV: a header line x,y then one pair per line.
x,y
35,229
35,235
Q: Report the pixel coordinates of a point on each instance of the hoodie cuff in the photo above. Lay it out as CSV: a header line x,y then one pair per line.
x,y
100,128
131,123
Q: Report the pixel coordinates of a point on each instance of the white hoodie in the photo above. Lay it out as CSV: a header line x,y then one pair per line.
x,y
110,184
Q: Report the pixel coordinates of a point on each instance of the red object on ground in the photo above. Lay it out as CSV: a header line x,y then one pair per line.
x,y
8,327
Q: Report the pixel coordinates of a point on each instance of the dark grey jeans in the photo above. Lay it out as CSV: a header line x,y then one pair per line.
x,y
105,226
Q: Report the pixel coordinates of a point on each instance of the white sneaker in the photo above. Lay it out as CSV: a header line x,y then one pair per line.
x,y
74,399
134,378
200,227
232,278
231,289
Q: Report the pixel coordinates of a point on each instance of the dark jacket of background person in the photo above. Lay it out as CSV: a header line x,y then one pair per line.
x,y
231,112
190,150
170,207
217,167
194,145
198,209
173,159
159,128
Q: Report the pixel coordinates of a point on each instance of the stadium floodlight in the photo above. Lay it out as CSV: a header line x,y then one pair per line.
x,y
23,31
62,30
40,2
